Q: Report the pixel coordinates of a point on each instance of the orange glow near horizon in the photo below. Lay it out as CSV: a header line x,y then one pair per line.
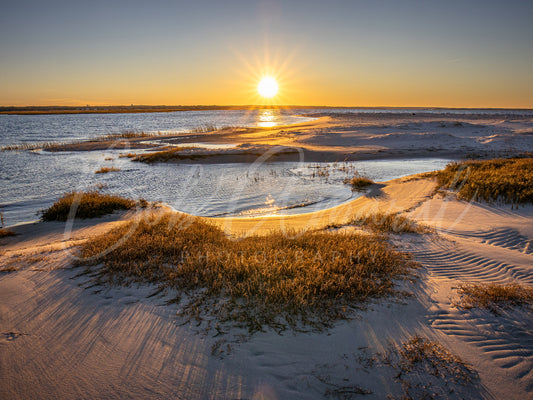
x,y
358,54
302,80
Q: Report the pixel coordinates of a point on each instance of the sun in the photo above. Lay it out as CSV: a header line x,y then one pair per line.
x,y
268,87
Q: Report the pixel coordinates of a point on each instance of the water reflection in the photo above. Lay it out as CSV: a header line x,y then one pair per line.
x,y
268,118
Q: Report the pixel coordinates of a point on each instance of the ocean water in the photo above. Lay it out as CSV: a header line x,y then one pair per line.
x,y
32,180
20,129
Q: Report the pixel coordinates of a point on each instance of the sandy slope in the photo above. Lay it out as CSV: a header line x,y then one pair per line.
x,y
62,338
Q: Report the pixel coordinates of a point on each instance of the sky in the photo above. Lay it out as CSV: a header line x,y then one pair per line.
x,y
336,53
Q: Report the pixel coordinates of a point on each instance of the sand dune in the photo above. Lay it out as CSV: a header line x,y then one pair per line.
x,y
498,253
62,337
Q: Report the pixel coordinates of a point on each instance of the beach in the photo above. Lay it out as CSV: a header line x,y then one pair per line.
x,y
266,200
308,156
347,136
63,336
71,339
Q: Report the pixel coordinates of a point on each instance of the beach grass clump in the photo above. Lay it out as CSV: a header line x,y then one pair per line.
x,y
207,128
493,296
427,370
255,282
127,135
30,146
161,156
204,129
95,143
4,232
509,180
127,155
358,182
418,353
105,170
384,222
88,204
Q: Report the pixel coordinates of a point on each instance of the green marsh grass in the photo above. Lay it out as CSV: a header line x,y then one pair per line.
x,y
255,282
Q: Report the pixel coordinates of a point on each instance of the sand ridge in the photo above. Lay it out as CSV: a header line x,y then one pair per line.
x,y
62,337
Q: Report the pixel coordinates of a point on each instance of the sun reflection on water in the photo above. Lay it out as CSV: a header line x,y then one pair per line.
x,y
268,118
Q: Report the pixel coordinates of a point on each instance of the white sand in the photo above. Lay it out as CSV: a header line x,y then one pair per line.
x,y
352,137
61,339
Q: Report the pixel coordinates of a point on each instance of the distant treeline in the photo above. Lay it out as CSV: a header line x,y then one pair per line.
x,y
88,109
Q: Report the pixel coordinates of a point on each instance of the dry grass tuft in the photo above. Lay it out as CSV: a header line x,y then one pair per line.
x,y
493,296
30,146
389,222
510,180
88,204
105,170
174,153
358,182
204,129
259,281
428,363
210,128
67,145
383,222
127,135
127,155
6,232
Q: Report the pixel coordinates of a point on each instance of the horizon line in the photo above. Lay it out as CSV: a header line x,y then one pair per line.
x,y
88,107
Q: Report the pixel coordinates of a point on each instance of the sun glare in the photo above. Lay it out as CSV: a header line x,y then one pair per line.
x,y
268,87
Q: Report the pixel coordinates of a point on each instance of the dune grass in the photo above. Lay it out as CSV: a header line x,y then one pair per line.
x,y
163,155
127,155
210,128
127,135
509,180
384,222
493,296
427,370
105,170
432,357
67,145
88,204
30,146
255,282
389,222
204,129
358,182
6,232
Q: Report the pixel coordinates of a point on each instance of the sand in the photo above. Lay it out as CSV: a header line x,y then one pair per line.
x,y
61,338
339,137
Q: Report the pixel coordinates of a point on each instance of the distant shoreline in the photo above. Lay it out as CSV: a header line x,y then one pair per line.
x,y
43,110
40,110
